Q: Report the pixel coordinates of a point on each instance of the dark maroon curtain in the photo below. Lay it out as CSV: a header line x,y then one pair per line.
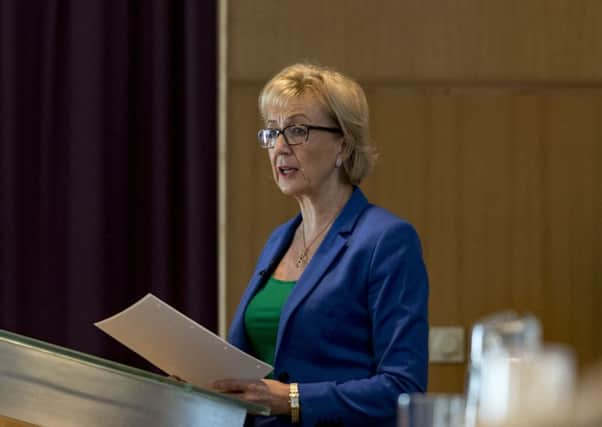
x,y
107,164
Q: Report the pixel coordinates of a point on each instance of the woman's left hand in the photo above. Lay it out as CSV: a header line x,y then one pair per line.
x,y
263,392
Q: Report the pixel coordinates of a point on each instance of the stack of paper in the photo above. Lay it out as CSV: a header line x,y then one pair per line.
x,y
180,346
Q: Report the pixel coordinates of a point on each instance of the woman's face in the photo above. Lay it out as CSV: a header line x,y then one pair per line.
x,y
308,168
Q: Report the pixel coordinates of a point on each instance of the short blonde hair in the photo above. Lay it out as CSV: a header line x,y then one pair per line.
x,y
344,100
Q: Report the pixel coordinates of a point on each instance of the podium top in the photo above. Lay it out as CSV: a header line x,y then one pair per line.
x,y
39,373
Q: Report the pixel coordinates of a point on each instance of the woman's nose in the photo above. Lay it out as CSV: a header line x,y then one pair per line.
x,y
281,145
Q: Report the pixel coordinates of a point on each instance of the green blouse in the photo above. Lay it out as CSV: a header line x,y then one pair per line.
x,y
263,315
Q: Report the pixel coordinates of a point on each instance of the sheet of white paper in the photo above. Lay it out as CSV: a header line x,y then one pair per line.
x,y
178,345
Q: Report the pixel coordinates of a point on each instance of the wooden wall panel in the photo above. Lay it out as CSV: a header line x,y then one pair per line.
x,y
421,40
488,117
572,210
528,146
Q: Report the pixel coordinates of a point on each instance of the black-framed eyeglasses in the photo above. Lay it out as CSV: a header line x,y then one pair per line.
x,y
293,134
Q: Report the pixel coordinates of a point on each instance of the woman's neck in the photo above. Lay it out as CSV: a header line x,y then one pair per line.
x,y
318,210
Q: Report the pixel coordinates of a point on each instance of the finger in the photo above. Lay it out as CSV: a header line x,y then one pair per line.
x,y
231,385
258,396
257,387
251,396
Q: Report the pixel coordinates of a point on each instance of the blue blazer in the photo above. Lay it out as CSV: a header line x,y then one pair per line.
x,y
354,331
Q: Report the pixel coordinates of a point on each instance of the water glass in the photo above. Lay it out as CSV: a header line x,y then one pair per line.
x,y
529,387
431,410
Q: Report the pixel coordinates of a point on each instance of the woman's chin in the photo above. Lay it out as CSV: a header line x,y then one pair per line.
x,y
289,189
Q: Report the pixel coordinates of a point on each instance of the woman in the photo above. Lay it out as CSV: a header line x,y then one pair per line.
x,y
338,299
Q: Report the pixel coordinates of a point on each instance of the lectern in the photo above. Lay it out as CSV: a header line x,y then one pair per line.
x,y
48,385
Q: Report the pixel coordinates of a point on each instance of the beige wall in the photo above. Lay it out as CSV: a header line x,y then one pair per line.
x,y
488,117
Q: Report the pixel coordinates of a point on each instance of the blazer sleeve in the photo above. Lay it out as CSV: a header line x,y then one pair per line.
x,y
398,305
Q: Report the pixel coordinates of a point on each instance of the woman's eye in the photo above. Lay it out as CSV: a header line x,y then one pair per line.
x,y
298,131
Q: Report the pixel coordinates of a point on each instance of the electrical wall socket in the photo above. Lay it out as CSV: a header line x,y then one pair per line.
x,y
446,344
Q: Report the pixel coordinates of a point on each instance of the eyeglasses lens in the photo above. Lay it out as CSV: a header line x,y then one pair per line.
x,y
267,137
296,134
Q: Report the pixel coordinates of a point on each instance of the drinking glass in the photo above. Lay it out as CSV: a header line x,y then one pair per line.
x,y
431,410
527,388
501,336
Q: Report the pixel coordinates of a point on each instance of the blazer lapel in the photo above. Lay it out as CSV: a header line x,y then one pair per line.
x,y
334,242
270,257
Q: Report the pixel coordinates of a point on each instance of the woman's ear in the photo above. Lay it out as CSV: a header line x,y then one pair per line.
x,y
344,151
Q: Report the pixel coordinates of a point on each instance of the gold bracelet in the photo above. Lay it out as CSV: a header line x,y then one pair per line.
x,y
293,400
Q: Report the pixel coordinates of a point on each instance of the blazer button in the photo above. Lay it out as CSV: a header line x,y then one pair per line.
x,y
284,377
